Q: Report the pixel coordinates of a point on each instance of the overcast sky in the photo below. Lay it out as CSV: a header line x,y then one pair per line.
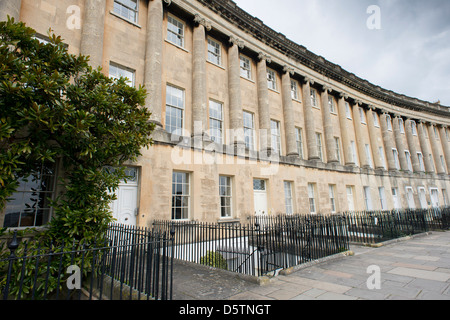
x,y
410,54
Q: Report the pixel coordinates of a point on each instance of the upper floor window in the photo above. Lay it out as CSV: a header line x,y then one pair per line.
x,y
401,125
127,9
362,115
414,128
271,79
313,98
246,67
276,136
375,119
348,110
216,121
214,52
331,104
174,109
389,122
294,90
249,130
175,31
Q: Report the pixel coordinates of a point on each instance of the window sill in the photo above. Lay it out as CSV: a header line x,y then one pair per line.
x,y
175,45
215,64
125,19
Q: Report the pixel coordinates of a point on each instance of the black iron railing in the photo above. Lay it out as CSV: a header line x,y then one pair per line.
x,y
130,263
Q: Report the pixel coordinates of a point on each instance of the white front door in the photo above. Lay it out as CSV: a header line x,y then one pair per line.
x,y
260,197
125,208
434,198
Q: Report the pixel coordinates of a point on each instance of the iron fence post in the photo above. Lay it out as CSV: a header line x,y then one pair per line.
x,y
12,246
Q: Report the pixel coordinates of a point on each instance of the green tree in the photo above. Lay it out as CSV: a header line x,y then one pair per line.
x,y
55,107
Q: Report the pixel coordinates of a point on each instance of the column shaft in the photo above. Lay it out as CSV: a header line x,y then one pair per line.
x,y
93,31
265,142
388,143
364,162
153,61
373,139
10,8
435,150
400,145
421,127
445,146
199,95
311,142
348,159
328,128
412,145
288,111
234,87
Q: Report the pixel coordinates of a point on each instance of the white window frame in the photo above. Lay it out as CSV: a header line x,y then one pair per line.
x,y
350,198
319,145
245,67
382,194
410,198
421,161
368,155
186,196
401,125
271,79
337,144
332,195
249,132
408,160
382,157
362,115
275,131
413,128
299,140
177,107
396,158
117,71
312,198
119,6
348,111
226,194
332,104
214,51
288,198
367,198
395,198
294,89
313,95
178,36
376,122
353,150
443,162
421,191
214,120
389,122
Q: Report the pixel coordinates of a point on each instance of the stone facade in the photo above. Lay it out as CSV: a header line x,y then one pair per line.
x,y
349,127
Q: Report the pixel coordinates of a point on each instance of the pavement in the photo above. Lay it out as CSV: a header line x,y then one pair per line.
x,y
412,268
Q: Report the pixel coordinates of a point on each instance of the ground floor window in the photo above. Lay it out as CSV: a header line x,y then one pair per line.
x,y
180,195
225,197
29,206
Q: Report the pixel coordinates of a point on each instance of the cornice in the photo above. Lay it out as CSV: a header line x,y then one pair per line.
x,y
256,28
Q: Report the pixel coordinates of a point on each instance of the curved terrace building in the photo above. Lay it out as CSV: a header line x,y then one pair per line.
x,y
248,122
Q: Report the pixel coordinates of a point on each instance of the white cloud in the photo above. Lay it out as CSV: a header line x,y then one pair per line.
x,y
409,55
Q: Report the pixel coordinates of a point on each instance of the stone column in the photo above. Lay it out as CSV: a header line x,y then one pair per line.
x,y
388,143
265,141
199,95
288,111
400,144
153,61
373,138
234,87
10,8
346,147
435,149
412,145
364,162
445,145
421,127
328,126
93,31
311,142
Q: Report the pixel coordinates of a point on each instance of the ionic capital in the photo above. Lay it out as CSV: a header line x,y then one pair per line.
x,y
202,21
286,68
263,56
238,42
